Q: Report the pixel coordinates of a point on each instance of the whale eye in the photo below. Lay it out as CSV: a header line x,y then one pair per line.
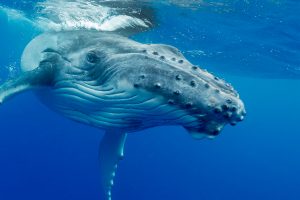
x,y
92,57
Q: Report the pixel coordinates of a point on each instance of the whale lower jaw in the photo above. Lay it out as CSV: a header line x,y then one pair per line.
x,y
119,107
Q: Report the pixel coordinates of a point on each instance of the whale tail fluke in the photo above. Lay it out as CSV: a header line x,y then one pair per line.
x,y
111,151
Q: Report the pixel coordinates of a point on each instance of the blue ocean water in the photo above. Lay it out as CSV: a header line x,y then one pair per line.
x,y
252,44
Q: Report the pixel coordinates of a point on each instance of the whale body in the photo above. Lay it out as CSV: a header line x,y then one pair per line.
x,y
116,84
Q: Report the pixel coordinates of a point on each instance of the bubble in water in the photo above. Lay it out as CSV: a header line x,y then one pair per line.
x,y
12,69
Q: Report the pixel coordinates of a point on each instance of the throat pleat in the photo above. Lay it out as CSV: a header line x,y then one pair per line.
x,y
116,106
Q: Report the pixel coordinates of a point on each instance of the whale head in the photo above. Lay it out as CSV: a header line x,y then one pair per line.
x,y
112,82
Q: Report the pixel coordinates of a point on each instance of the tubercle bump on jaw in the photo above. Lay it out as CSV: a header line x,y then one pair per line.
x,y
224,105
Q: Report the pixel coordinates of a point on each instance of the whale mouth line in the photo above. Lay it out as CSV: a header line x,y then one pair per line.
x,y
51,50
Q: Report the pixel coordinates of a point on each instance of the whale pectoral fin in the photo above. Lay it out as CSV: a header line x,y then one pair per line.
x,y
11,88
28,80
110,152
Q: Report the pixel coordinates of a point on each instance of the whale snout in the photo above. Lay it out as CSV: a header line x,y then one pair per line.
x,y
231,111
213,123
209,103
223,107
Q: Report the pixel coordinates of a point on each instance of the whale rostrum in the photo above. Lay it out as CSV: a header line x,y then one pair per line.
x,y
111,82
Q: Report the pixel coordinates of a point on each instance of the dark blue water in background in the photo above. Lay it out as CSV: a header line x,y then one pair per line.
x,y
45,156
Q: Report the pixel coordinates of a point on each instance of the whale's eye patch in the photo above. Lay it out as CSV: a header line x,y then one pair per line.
x,y
92,57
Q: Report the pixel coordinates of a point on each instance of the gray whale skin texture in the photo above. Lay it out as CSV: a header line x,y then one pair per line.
x,y
108,81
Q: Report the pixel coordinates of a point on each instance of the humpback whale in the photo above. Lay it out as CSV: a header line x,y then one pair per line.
x,y
109,81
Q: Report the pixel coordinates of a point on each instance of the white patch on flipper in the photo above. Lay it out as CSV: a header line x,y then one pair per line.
x,y
7,92
32,54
